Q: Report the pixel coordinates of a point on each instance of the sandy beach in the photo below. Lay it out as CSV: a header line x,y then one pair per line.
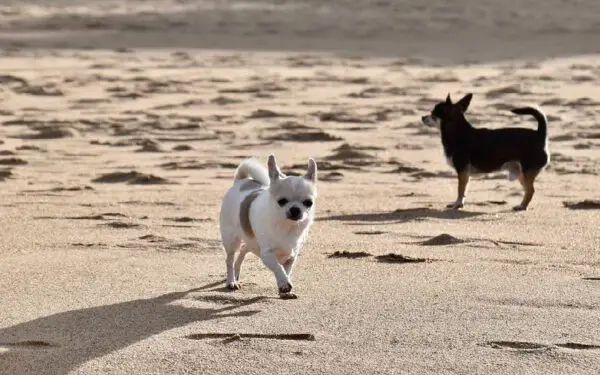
x,y
122,124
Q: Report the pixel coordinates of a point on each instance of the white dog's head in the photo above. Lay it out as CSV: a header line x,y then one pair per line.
x,y
294,195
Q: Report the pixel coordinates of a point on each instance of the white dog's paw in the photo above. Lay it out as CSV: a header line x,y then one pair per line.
x,y
233,285
455,205
288,295
285,292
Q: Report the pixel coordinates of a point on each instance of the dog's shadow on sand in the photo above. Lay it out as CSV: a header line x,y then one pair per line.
x,y
402,215
59,343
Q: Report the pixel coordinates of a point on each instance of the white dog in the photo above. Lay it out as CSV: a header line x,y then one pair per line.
x,y
271,214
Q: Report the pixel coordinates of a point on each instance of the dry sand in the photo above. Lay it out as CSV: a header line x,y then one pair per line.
x,y
115,157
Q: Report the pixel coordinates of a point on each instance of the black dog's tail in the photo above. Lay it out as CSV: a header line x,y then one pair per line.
x,y
538,115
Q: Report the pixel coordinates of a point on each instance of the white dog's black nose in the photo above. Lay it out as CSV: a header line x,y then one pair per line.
x,y
294,213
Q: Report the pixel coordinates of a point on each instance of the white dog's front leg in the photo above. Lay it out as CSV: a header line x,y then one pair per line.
x,y
288,266
283,281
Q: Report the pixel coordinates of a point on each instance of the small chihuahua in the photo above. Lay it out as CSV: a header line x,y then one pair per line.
x,y
271,213
469,150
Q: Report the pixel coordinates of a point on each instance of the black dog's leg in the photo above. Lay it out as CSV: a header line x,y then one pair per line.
x,y
526,179
463,181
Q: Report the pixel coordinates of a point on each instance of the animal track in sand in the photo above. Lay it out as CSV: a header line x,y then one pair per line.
x,y
28,344
230,337
187,219
399,258
587,204
5,174
331,177
344,117
537,347
224,100
267,113
518,345
516,89
375,92
369,232
132,178
195,164
269,87
293,131
47,132
349,254
121,225
12,161
347,152
442,240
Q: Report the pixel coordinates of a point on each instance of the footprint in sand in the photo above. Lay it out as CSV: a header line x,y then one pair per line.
x,y
349,254
518,345
292,131
195,164
12,161
516,89
182,148
345,117
187,219
267,113
27,344
526,346
399,258
348,152
149,145
587,204
442,240
224,100
369,232
131,178
5,174
331,177
268,87
48,132
122,225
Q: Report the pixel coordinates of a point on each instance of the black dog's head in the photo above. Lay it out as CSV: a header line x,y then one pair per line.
x,y
446,111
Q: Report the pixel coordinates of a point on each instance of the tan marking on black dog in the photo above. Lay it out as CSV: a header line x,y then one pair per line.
x,y
245,212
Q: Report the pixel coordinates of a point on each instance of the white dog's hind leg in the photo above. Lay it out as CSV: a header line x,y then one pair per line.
x,y
283,281
231,247
239,260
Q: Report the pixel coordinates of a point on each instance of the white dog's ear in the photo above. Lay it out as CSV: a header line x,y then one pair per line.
x,y
274,172
311,173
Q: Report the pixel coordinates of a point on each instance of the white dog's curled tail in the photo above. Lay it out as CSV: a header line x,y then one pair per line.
x,y
251,168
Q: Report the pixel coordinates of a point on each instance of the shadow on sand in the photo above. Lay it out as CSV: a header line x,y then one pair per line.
x,y
57,344
403,215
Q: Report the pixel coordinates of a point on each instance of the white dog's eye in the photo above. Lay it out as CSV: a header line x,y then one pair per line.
x,y
282,202
307,203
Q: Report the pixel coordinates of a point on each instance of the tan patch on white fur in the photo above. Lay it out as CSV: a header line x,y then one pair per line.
x,y
250,185
245,212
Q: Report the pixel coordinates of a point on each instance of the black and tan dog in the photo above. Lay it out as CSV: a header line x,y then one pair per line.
x,y
469,150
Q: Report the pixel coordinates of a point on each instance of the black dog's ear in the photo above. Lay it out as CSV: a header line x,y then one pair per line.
x,y
448,100
464,102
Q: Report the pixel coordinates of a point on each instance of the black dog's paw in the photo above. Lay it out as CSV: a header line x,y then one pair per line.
x,y
455,206
520,208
